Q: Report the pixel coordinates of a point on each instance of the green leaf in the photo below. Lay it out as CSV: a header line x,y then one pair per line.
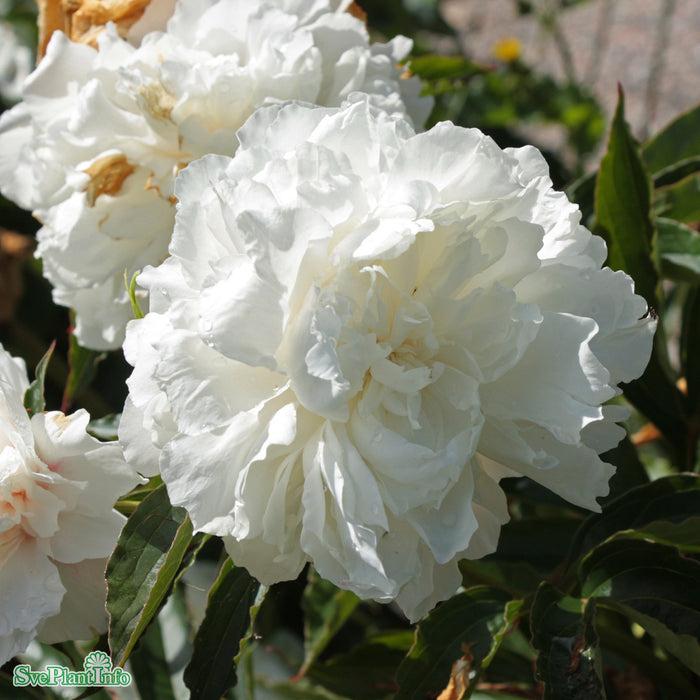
x,y
469,626
34,396
679,251
83,366
569,658
541,542
369,670
675,146
516,578
105,428
10,692
302,689
680,201
433,67
671,499
623,208
143,567
149,667
227,621
326,609
685,536
630,471
654,586
656,395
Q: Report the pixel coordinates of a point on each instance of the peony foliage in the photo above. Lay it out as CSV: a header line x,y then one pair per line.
x,y
351,402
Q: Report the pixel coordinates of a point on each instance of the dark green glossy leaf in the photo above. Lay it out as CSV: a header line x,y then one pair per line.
x,y
685,536
563,633
143,567
680,201
369,670
541,542
623,208
679,251
83,366
149,667
630,471
326,609
516,578
34,396
672,499
654,586
227,621
469,626
656,395
676,145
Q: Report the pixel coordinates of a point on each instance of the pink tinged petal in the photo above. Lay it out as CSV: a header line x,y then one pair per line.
x,y
82,614
92,474
30,591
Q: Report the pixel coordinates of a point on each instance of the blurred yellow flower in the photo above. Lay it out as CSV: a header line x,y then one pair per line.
x,y
508,49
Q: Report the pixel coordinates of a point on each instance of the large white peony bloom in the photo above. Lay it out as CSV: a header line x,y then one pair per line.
x,y
58,486
95,147
359,331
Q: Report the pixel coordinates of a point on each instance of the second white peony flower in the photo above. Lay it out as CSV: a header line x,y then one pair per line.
x,y
359,331
96,144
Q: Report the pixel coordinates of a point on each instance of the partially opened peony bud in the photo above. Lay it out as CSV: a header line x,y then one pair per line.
x,y
95,147
359,331
58,486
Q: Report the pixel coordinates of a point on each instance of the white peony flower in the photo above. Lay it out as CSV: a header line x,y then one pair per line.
x,y
359,331
15,63
58,486
95,147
